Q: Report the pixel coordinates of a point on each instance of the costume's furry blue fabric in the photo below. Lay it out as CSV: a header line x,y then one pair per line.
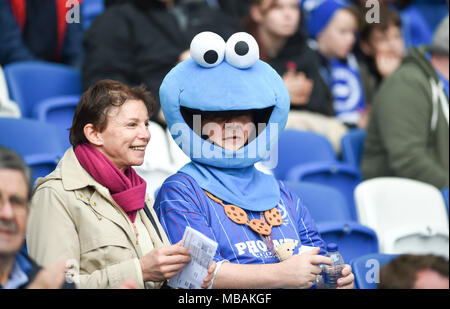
x,y
228,175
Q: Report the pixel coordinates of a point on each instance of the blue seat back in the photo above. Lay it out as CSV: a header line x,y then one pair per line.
x,y
299,147
58,111
41,164
367,269
352,146
32,81
354,240
324,203
340,176
38,143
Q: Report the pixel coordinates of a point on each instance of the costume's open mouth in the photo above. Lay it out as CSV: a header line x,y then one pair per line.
x,y
194,118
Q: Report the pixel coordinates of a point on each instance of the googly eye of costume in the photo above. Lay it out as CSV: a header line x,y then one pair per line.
x,y
226,78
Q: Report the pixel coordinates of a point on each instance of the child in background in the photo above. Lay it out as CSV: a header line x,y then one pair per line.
x,y
332,25
382,48
283,44
275,25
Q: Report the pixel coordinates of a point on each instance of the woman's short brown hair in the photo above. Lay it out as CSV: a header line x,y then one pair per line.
x,y
96,102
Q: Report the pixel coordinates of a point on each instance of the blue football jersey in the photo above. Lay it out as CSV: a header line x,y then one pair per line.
x,y
181,202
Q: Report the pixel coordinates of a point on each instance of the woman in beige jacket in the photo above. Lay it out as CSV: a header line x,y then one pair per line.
x,y
90,210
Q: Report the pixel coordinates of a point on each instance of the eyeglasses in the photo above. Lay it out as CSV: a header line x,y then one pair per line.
x,y
239,216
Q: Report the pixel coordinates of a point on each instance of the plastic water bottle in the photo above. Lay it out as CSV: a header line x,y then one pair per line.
x,y
331,274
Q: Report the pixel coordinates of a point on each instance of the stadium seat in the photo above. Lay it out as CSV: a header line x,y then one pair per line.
x,y
445,195
308,156
329,209
340,176
408,216
354,240
58,111
38,143
30,82
367,269
352,147
324,203
298,147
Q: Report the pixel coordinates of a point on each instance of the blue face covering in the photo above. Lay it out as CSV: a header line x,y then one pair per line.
x,y
227,86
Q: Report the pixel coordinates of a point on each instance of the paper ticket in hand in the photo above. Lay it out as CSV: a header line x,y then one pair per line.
x,y
202,250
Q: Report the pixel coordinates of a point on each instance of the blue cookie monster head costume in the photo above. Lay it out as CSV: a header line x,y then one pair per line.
x,y
227,77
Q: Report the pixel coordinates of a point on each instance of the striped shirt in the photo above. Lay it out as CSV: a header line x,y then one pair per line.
x,y
181,202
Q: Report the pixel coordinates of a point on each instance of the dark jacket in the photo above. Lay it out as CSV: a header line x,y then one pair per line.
x,y
408,134
307,61
136,45
37,30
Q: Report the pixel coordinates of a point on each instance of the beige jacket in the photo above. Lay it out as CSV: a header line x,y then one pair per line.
x,y
74,217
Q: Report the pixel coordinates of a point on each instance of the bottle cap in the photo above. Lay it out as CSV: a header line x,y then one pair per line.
x,y
332,247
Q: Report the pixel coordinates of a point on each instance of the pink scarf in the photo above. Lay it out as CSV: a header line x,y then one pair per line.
x,y
127,189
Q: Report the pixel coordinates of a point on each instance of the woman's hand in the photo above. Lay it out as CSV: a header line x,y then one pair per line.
x,y
164,263
207,280
300,271
347,279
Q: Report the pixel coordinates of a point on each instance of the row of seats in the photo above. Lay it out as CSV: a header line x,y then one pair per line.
x,y
307,156
395,216
47,92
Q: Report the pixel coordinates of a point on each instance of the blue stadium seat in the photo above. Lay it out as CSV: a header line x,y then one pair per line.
x,y
367,269
38,143
340,176
58,111
308,156
433,11
30,82
298,147
352,146
324,203
90,9
445,194
354,240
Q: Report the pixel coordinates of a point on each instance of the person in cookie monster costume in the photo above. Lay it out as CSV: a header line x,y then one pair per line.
x,y
226,109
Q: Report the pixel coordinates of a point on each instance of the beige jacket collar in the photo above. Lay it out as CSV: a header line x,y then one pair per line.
x,y
75,178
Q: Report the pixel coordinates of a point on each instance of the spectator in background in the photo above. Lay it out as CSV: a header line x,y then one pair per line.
x,y
382,48
283,44
16,269
236,8
140,41
408,134
275,25
415,29
38,30
332,25
410,271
